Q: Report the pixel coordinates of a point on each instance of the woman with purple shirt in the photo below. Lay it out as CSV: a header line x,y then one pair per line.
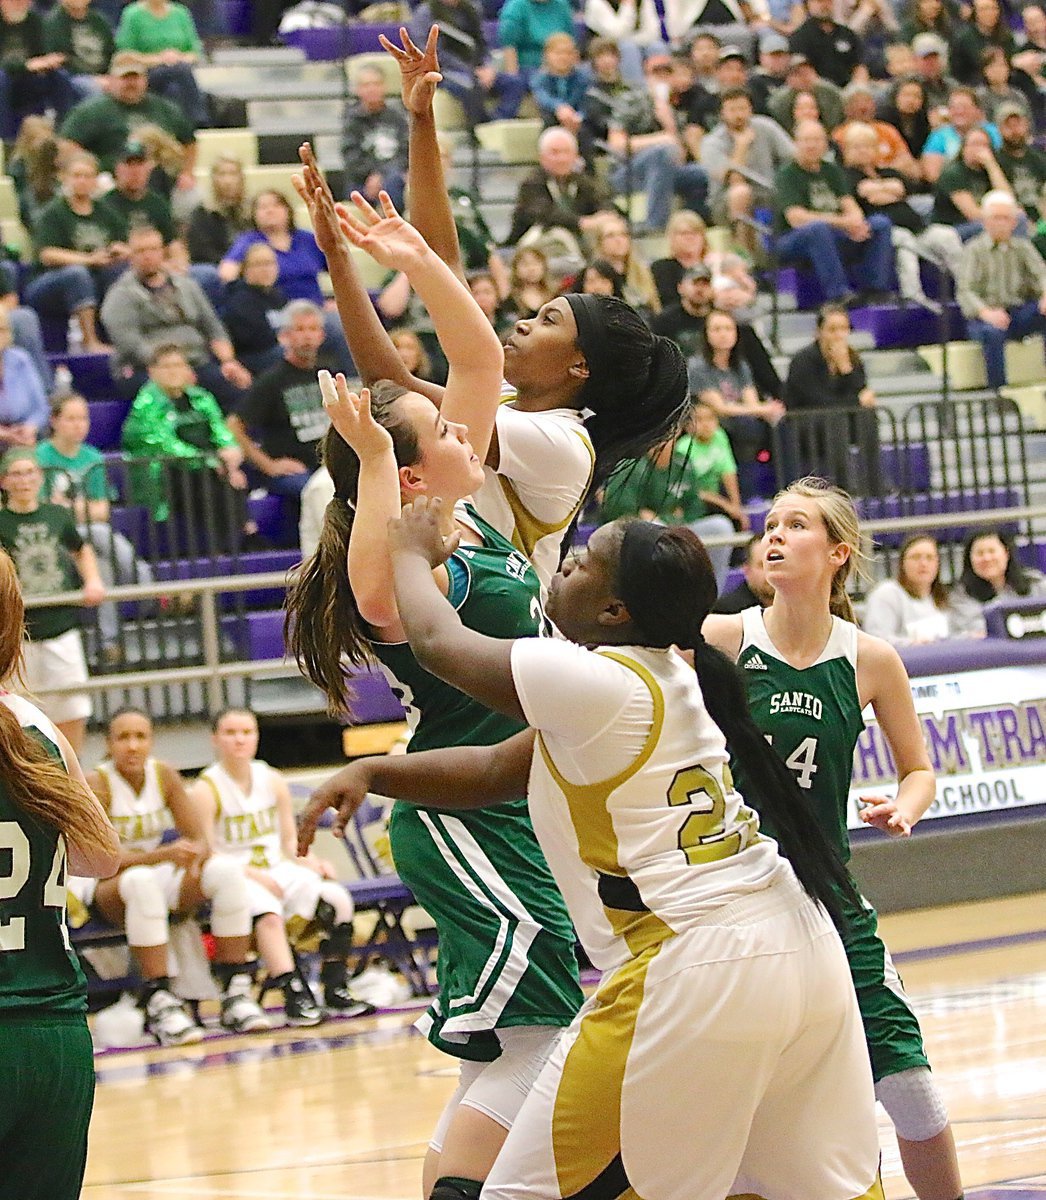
x,y
300,262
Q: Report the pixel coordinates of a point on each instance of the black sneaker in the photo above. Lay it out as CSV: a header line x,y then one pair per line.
x,y
299,1006
340,1000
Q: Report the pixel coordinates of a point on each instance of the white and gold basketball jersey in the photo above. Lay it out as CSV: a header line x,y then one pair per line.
x,y
546,464
645,853
247,825
139,818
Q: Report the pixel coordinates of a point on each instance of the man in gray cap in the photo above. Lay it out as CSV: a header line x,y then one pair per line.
x,y
1023,164
774,56
931,63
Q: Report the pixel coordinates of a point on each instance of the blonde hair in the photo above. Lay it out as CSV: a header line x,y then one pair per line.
x,y
640,288
685,220
843,527
396,336
558,41
32,779
167,152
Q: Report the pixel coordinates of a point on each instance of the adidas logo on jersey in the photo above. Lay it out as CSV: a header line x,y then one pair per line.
x,y
755,663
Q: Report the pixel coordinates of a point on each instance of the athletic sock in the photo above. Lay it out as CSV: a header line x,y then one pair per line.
x,y
224,973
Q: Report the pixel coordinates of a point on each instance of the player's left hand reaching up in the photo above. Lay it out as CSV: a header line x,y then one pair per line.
x,y
417,530
389,239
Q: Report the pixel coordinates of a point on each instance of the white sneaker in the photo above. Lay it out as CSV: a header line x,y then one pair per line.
x,y
168,1020
240,1012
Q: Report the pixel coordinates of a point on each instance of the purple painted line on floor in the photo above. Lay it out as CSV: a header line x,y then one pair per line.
x,y
1017,1192
971,947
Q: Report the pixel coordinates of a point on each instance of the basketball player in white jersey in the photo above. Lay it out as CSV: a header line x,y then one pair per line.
x,y
249,815
722,1053
145,798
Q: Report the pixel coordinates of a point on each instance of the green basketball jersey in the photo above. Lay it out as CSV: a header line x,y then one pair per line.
x,y
812,717
39,973
506,952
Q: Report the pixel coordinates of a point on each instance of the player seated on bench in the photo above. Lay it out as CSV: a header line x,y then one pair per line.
x,y
247,809
144,798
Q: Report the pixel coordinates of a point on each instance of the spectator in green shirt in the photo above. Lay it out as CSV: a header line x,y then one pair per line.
x,y
50,557
189,466
821,224
75,478
85,38
691,482
79,251
31,79
104,124
164,34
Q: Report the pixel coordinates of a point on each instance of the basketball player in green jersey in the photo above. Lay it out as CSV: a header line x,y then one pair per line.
x,y
48,821
507,973
809,673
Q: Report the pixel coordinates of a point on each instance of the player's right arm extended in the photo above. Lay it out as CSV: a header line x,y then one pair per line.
x,y
459,777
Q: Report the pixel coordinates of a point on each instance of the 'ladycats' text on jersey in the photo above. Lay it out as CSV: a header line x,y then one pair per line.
x,y
803,703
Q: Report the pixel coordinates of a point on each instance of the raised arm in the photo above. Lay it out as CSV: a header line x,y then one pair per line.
x,y
419,75
372,350
472,348
479,666
456,778
377,502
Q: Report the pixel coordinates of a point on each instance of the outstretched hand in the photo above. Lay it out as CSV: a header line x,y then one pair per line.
x,y
312,187
417,531
344,792
419,70
388,239
351,416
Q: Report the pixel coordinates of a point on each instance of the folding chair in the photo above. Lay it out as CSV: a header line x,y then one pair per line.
x,y
382,892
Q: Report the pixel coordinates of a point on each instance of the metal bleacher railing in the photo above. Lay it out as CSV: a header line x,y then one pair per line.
x,y
203,625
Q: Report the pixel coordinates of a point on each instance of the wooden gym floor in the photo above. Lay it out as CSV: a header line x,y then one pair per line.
x,y
343,1112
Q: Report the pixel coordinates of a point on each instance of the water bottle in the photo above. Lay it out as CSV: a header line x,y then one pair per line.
x,y
75,336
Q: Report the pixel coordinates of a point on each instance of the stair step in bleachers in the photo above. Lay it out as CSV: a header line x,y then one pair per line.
x,y
880,363
257,56
1031,400
1025,363
277,79
892,325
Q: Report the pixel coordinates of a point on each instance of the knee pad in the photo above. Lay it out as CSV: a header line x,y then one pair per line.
x,y
338,900
224,883
914,1104
453,1187
145,909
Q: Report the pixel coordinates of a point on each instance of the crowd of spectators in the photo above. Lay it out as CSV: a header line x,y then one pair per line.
x,y
859,139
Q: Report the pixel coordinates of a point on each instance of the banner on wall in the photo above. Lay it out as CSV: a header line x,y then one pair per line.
x,y
986,734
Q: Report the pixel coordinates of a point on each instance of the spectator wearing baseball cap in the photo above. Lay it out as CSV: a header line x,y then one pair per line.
x,y
132,201
930,51
103,124
772,70
1023,164
164,33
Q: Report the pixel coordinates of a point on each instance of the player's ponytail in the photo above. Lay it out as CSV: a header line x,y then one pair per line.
x,y
36,782
323,629
669,588
637,393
